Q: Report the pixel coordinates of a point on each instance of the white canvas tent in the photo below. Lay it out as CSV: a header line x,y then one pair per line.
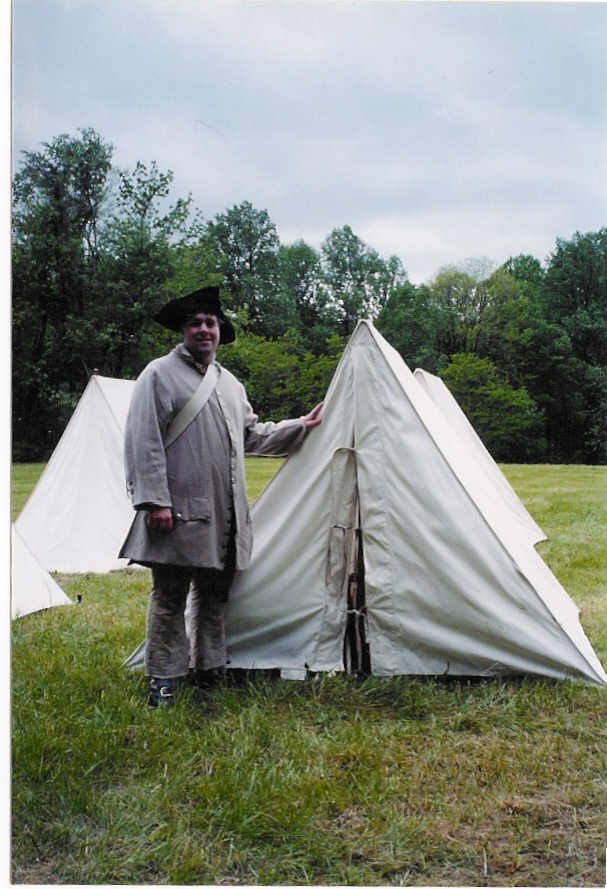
x,y
79,512
466,435
32,588
451,585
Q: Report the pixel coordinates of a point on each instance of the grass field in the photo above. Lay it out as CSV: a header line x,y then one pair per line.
x,y
330,781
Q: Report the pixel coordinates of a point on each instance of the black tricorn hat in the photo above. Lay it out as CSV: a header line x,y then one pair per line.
x,y
176,312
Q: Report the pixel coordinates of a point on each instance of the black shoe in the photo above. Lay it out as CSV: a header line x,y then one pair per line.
x,y
161,692
209,678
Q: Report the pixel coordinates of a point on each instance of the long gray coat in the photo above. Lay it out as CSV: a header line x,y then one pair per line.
x,y
201,475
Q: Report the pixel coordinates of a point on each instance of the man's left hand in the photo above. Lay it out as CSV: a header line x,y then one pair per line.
x,y
313,418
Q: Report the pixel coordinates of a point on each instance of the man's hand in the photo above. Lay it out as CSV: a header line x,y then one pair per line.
x,y
313,419
160,519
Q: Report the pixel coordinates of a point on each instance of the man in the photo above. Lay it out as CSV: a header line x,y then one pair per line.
x,y
188,428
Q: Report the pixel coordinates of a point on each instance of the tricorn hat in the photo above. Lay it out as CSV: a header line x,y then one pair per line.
x,y
176,312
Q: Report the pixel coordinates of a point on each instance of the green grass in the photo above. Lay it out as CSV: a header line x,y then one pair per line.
x,y
23,480
331,781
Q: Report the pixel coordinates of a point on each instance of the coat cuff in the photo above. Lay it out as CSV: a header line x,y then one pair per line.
x,y
150,506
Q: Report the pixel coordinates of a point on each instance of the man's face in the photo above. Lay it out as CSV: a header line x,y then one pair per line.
x,y
201,336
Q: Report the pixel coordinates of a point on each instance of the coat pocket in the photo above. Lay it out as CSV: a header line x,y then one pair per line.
x,y
197,509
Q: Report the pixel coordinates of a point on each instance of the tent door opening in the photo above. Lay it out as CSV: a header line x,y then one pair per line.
x,y
356,648
345,566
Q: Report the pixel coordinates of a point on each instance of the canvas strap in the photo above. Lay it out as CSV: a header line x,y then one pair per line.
x,y
192,408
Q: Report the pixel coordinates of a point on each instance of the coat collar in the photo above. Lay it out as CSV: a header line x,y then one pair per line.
x,y
186,356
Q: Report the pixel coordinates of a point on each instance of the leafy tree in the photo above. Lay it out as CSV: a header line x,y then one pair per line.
x,y
509,333
315,372
245,243
357,281
506,418
58,195
141,244
95,252
527,271
575,293
574,301
194,266
266,367
299,273
280,380
411,320
460,298
531,351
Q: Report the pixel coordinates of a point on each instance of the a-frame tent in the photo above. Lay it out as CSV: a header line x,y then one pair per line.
x,y
32,588
451,587
79,512
466,434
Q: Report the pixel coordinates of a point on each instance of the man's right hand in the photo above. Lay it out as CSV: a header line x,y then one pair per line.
x,y
160,519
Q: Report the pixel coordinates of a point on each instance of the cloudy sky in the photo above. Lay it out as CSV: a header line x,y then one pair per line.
x,y
437,131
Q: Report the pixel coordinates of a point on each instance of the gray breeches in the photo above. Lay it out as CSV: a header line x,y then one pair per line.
x,y
171,650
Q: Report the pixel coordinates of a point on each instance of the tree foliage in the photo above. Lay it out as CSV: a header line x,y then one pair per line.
x,y
505,418
245,243
411,321
281,381
93,258
299,275
573,298
142,241
57,197
97,250
356,280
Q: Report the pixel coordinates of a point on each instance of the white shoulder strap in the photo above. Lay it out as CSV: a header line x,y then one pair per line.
x,y
192,408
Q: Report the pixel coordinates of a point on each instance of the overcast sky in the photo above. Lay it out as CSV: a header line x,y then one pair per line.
x,y
437,131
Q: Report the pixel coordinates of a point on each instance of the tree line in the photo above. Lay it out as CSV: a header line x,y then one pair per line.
x,y
97,250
